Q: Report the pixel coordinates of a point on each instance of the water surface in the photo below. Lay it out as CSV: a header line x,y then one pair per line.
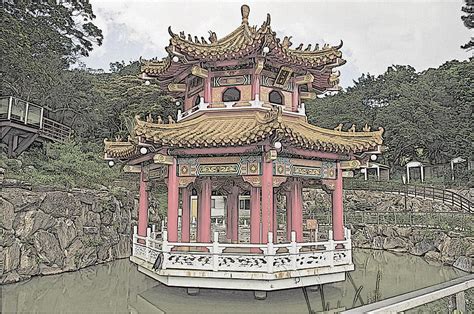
x,y
117,287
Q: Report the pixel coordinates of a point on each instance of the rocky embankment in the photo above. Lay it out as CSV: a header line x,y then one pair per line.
x,y
436,247
48,232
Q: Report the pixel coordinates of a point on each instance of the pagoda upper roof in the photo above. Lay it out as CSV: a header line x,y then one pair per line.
x,y
247,127
245,40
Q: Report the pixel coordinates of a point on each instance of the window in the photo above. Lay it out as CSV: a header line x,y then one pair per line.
x,y
213,203
244,204
197,100
275,97
231,94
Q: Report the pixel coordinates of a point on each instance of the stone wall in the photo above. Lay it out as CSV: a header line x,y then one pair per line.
x,y
50,231
436,247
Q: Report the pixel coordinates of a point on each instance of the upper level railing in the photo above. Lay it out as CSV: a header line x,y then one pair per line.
x,y
234,105
23,112
450,198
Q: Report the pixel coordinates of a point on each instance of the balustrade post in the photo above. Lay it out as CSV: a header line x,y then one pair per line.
x,y
9,113
348,246
134,241
148,244
166,250
332,247
270,252
215,252
293,250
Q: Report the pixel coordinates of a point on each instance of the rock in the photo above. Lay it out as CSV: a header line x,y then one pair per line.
x,y
28,261
395,244
404,232
74,255
470,250
33,221
89,258
433,258
106,217
389,232
464,263
48,248
422,247
11,257
92,220
7,214
453,247
378,242
10,277
439,239
122,249
49,270
61,204
66,232
8,237
22,199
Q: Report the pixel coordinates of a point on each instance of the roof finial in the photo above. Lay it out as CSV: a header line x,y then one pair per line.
x,y
245,10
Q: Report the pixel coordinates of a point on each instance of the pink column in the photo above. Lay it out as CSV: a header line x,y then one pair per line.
x,y
267,198
275,221
288,216
185,214
297,210
255,86
207,90
228,222
173,200
235,214
295,99
337,211
254,215
142,206
204,232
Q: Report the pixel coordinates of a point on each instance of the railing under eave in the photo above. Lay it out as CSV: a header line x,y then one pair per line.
x,y
209,107
225,257
31,115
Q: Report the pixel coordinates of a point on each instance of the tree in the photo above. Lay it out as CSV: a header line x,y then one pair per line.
x,y
468,21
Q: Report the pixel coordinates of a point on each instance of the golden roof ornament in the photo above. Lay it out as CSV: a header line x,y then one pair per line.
x,y
338,128
245,10
366,128
352,128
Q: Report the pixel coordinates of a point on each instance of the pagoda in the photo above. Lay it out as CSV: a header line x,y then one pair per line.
x,y
242,130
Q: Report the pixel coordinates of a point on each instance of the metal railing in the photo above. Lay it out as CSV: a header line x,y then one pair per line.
x,y
225,257
29,114
420,297
447,221
450,198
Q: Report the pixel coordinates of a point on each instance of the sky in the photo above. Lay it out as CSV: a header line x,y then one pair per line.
x,y
376,34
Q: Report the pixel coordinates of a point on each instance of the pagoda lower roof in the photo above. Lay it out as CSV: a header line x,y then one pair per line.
x,y
245,128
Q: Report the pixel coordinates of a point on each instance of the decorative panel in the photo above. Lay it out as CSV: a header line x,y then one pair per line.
x,y
269,82
219,166
304,168
231,80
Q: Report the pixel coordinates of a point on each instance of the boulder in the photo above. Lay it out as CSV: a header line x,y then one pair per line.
x,y
92,219
66,231
74,255
89,257
422,247
404,232
389,231
395,244
7,214
49,270
11,257
22,199
33,221
61,204
464,263
433,258
48,248
8,237
10,277
28,261
377,243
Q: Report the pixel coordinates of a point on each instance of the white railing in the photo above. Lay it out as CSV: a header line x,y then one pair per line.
x,y
205,107
268,258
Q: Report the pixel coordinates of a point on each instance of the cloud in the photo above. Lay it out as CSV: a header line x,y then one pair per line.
x,y
376,34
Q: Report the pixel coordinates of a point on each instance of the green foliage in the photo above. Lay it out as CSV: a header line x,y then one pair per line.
x,y
427,116
62,165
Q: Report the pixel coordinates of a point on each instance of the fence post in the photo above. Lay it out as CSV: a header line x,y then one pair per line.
x,y
460,302
332,247
294,250
166,250
215,252
134,241
270,252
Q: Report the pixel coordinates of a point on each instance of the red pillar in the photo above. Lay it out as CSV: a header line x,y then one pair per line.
x,y
173,199
142,206
337,214
297,210
254,215
288,216
256,86
235,214
267,198
185,214
207,90
275,222
295,100
204,216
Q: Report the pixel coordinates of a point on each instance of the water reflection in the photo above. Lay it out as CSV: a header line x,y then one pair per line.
x,y
119,288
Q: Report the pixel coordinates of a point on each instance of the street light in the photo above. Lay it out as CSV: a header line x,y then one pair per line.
x,y
277,145
373,157
111,163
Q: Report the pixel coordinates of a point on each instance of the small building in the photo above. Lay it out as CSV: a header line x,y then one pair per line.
x,y
375,170
242,131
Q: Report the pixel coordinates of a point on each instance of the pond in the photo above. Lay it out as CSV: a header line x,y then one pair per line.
x,y
118,287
